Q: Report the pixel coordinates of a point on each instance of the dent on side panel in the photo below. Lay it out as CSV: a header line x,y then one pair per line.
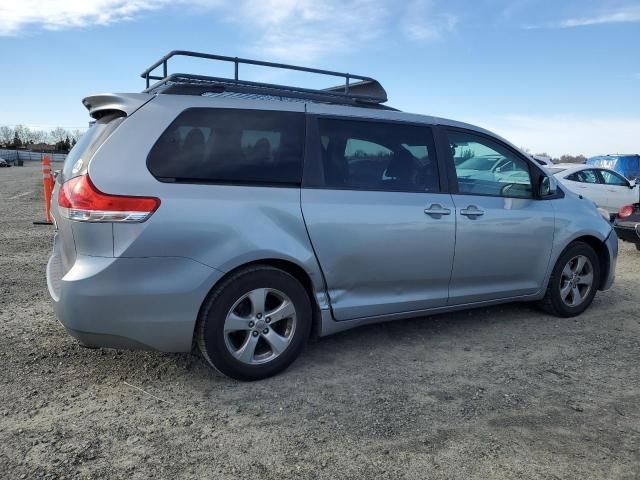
x,y
224,227
577,217
379,252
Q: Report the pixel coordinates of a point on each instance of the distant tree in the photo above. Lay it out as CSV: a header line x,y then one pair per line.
x,y
58,135
573,159
21,133
6,135
40,136
67,144
466,154
75,135
17,141
73,142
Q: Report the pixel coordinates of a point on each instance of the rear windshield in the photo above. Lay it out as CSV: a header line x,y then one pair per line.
x,y
556,169
79,156
231,146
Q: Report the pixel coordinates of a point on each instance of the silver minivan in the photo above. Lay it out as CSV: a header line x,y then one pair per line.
x,y
245,217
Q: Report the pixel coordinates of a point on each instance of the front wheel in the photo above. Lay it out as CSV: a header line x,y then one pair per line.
x,y
574,281
255,323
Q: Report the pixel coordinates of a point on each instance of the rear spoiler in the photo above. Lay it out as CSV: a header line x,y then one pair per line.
x,y
100,105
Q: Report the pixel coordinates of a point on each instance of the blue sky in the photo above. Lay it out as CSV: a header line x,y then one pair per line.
x,y
556,76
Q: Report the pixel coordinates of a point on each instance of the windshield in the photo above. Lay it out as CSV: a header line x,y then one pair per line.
x,y
88,144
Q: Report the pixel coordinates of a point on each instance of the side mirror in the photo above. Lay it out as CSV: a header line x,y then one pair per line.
x,y
633,183
548,186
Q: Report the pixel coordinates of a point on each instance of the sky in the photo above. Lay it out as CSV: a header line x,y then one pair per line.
x,y
561,76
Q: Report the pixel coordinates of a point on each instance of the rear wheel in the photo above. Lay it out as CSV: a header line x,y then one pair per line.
x,y
255,324
574,281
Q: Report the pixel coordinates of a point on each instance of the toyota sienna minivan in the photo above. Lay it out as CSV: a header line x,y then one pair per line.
x,y
245,217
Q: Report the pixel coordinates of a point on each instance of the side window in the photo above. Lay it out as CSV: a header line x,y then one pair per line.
x,y
574,177
587,176
228,145
611,178
378,156
485,167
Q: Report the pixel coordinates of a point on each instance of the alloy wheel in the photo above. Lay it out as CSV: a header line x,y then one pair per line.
x,y
576,281
260,326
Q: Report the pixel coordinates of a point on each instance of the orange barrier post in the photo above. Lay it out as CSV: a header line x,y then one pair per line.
x,y
48,183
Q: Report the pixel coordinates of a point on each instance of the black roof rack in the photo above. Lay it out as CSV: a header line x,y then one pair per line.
x,y
364,90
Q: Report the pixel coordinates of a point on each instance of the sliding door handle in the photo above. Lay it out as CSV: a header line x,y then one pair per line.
x,y
436,210
471,211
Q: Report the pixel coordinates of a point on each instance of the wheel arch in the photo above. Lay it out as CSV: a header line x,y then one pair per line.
x,y
293,269
601,251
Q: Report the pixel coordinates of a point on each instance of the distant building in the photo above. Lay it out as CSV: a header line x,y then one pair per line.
x,y
42,147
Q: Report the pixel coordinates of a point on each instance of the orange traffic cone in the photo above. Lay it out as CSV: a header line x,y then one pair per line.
x,y
48,183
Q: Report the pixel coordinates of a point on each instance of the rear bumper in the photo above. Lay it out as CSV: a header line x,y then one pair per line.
x,y
629,232
132,303
612,246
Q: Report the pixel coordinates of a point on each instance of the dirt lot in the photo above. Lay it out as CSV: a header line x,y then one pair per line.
x,y
504,392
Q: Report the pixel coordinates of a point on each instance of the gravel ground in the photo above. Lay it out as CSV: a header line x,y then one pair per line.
x,y
505,392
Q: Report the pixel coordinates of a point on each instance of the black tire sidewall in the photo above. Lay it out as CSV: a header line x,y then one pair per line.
x,y
571,252
221,303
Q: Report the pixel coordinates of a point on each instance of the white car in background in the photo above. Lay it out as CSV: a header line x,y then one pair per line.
x,y
610,190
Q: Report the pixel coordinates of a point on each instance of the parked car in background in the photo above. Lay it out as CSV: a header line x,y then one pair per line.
x,y
4,163
254,215
626,165
627,224
610,190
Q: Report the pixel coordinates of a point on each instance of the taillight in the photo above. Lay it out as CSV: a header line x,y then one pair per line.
x,y
80,200
625,211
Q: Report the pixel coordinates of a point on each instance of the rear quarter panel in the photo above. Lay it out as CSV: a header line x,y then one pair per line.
x,y
221,226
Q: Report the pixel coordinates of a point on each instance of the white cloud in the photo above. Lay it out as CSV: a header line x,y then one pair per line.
x,y
422,22
282,29
568,134
290,30
300,30
16,15
629,14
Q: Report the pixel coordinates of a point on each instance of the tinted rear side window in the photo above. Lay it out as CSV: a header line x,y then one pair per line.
x,y
361,155
231,146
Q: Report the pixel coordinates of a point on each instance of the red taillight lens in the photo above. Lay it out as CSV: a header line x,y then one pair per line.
x,y
79,199
625,211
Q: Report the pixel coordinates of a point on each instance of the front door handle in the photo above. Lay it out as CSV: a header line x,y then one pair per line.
x,y
436,210
471,211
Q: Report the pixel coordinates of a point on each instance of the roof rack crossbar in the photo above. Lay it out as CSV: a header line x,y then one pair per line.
x,y
372,91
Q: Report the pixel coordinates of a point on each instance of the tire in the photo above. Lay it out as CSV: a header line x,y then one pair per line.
x,y
561,298
255,324
638,246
